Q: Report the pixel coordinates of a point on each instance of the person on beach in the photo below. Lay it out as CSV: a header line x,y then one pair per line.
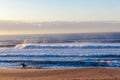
x,y
23,65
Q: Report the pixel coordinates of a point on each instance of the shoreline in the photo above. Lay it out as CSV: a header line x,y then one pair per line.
x,y
60,74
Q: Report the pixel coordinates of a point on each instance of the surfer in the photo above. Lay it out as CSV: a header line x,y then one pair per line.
x,y
23,65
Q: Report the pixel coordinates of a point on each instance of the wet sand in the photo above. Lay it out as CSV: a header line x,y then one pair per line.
x,y
61,74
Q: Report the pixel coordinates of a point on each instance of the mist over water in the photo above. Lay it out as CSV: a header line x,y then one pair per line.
x,y
61,51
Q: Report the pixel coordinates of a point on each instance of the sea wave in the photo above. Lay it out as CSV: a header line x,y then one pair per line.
x,y
64,55
67,45
76,63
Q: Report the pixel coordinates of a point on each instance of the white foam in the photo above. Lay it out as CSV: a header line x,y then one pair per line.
x,y
67,45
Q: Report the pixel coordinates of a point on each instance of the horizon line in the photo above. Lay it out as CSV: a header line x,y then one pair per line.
x,y
27,21
61,33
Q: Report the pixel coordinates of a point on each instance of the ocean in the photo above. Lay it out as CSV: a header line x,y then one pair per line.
x,y
101,50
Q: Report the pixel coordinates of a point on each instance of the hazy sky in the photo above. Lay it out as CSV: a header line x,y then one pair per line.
x,y
59,16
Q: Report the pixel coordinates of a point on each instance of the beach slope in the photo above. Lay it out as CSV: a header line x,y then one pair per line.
x,y
61,74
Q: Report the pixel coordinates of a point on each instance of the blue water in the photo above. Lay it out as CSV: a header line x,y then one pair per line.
x,y
60,51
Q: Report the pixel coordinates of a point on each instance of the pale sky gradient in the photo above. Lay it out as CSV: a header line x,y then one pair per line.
x,y
59,16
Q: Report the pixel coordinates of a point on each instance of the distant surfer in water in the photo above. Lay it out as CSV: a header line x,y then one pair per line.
x,y
23,65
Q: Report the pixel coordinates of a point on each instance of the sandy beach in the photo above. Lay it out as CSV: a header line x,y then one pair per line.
x,y
61,74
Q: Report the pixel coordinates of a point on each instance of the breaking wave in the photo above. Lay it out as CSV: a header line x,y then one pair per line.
x,y
67,46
